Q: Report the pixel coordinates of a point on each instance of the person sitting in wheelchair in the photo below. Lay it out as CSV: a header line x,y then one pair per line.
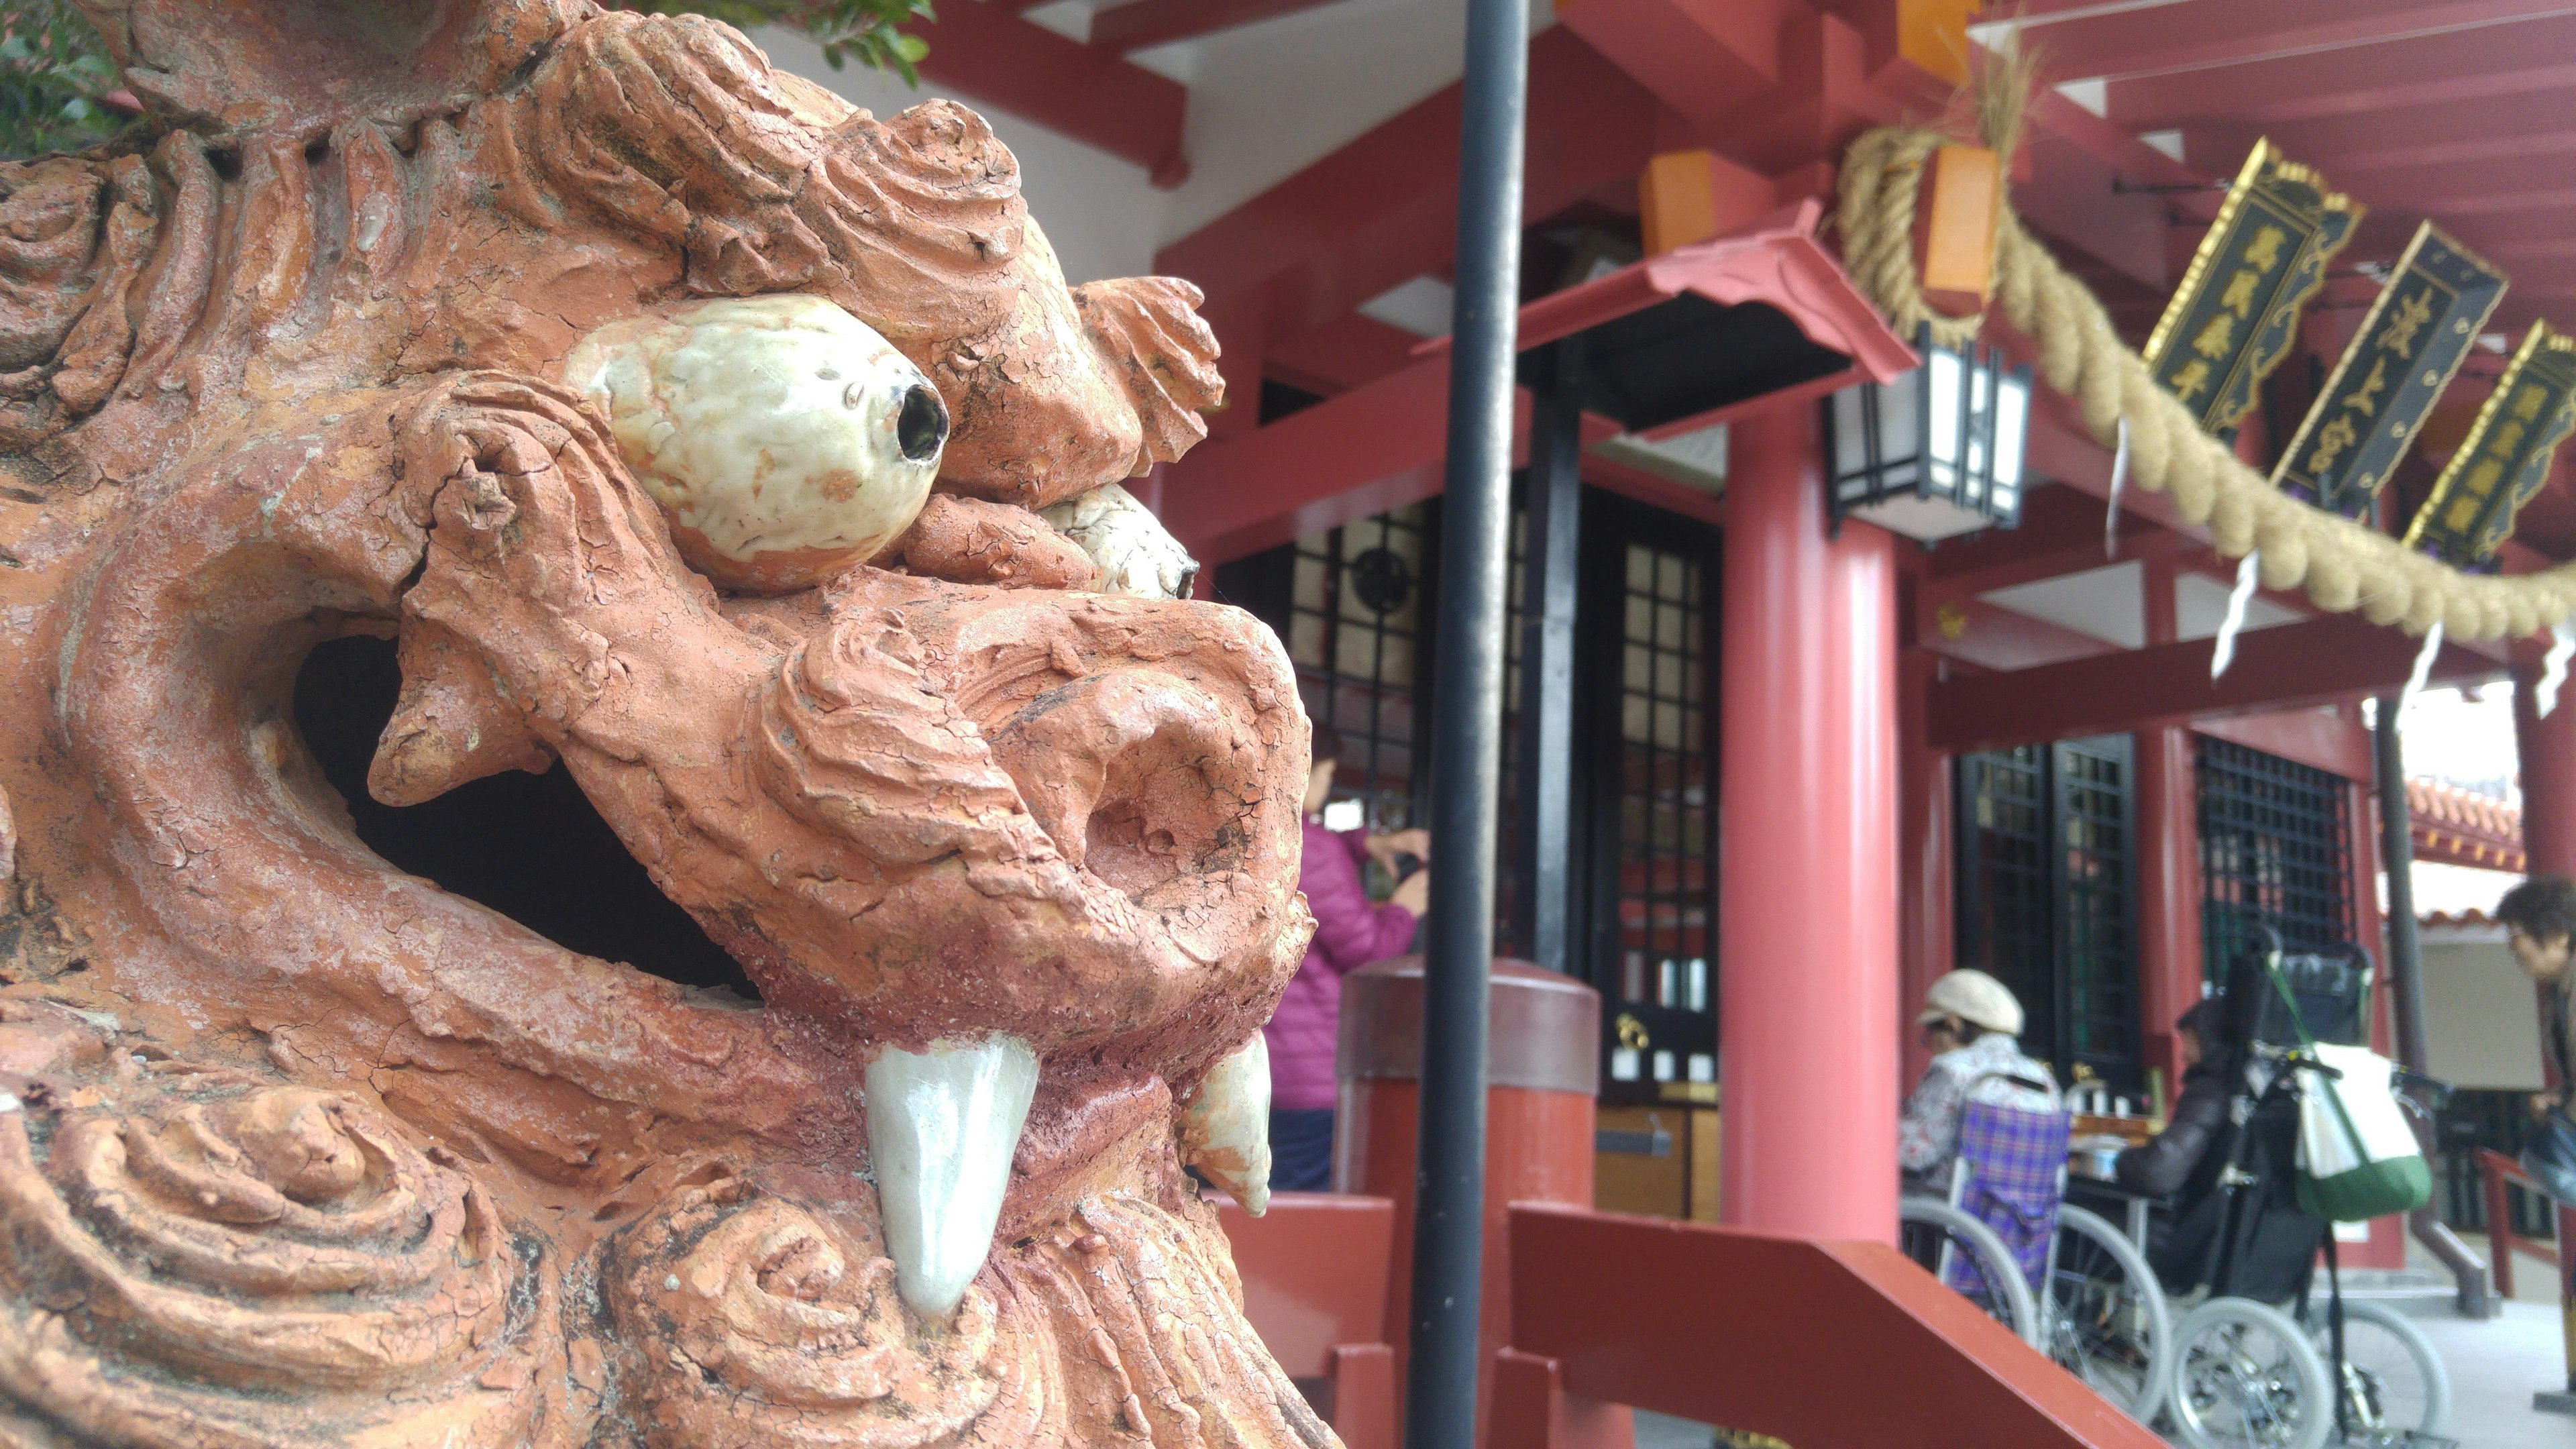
x,y
2272,1243
1972,1024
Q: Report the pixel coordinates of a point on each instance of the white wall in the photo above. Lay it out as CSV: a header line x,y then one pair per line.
x,y
1266,101
2481,1025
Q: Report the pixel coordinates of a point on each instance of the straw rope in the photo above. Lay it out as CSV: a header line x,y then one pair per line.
x,y
2341,564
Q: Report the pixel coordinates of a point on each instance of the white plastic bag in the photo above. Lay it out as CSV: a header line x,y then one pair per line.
x,y
2358,1158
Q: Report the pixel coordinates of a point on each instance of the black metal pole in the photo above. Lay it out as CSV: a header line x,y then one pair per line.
x,y
2397,857
1466,739
2469,1273
1552,556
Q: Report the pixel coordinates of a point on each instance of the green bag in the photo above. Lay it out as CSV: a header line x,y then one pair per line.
x,y
2358,1158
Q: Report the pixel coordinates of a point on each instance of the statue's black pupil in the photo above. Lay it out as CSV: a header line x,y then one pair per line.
x,y
922,425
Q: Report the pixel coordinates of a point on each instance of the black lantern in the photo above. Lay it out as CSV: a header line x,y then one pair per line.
x,y
1935,453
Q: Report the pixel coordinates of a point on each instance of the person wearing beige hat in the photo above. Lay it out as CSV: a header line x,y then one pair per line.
x,y
1972,1025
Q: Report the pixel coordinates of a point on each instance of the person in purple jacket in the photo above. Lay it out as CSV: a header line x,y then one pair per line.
x,y
1349,933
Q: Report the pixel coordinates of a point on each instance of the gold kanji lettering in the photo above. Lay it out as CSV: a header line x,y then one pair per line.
x,y
2265,250
2462,512
2190,379
2507,438
2404,321
2365,398
2333,440
2215,338
2528,400
2239,296
2482,478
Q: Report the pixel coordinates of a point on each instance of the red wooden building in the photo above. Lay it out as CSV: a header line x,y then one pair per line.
x,y
1804,770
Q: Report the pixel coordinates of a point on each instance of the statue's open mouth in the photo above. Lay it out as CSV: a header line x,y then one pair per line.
x,y
978,839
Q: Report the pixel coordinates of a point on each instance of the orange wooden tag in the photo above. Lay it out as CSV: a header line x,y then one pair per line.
x,y
1954,228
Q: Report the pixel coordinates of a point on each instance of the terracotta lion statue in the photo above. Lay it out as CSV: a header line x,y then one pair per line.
x,y
746,457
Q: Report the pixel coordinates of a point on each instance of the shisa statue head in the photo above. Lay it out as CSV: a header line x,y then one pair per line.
x,y
745,457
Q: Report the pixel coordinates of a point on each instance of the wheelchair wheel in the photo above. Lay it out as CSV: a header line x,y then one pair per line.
x,y
2394,1385
1952,1244
2246,1376
2105,1316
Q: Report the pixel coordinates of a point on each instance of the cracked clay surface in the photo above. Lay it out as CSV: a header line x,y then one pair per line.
x,y
297,1149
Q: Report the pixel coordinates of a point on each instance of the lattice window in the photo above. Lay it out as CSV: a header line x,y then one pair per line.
x,y
2274,842
2006,904
2098,1005
1355,632
2045,891
1667,888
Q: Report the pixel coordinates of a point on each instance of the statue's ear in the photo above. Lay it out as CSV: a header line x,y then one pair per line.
x,y
301,70
1154,344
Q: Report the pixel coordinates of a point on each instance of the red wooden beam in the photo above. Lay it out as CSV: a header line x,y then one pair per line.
x,y
1342,460
2075,157
2489,60
2081,553
2328,660
2060,533
2399,164
1383,209
1143,24
1341,355
2192,33
1995,639
1635,1311
988,52
1702,59
2527,123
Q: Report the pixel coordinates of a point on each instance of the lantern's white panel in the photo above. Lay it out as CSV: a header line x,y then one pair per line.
x,y
1923,518
1944,372
1900,421
2108,603
2012,428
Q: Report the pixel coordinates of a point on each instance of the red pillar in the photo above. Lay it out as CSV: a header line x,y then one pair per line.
x,y
2169,963
1927,941
1807,880
2170,972
2547,754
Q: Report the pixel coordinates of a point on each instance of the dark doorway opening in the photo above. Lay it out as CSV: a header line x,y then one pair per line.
x,y
528,846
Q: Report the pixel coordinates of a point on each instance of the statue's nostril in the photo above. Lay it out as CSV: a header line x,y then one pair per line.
x,y
1138,776
922,426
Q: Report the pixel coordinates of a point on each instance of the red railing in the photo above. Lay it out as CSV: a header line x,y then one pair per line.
x,y
1821,1344
2499,1173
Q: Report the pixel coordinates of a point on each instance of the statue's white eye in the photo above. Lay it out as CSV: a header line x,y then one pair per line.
x,y
785,440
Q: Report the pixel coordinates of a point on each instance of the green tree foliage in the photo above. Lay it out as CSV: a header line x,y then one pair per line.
x,y
860,30
55,72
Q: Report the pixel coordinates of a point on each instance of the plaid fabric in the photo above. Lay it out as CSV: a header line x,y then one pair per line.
x,y
2012,1170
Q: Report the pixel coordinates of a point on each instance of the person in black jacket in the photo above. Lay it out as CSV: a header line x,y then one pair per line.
x,y
2161,1166
2274,1241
